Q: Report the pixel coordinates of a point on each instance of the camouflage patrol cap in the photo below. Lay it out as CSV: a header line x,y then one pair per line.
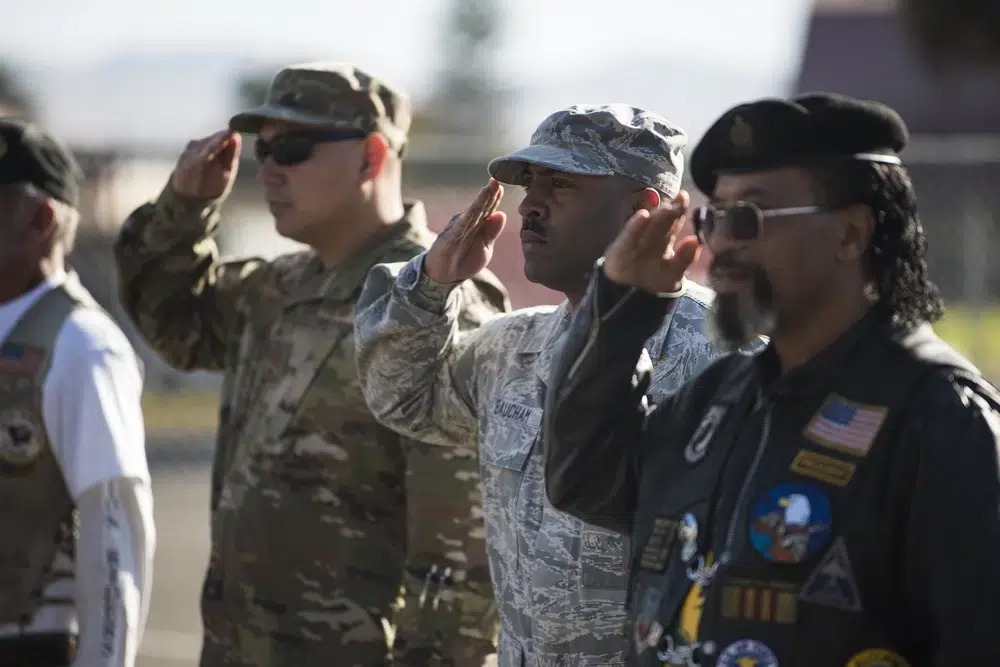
x,y
334,95
602,140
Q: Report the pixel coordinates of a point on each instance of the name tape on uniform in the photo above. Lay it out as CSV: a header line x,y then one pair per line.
x,y
516,412
846,426
822,467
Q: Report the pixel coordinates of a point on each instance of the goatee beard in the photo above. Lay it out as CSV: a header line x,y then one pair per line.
x,y
738,319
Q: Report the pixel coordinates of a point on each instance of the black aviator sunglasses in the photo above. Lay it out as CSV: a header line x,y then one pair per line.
x,y
296,146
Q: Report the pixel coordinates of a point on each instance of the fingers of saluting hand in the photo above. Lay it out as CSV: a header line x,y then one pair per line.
x,y
483,206
664,224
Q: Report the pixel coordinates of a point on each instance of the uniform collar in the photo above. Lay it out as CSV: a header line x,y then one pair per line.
x,y
540,338
541,341
310,280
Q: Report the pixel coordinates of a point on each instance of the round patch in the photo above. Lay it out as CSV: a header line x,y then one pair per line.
x,y
877,657
20,443
790,523
747,652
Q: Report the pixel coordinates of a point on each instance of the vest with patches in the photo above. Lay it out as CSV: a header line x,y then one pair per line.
x,y
39,517
766,535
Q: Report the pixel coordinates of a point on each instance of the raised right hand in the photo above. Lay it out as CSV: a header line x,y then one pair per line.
x,y
207,167
646,253
465,246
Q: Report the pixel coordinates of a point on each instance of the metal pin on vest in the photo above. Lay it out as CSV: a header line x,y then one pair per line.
x,y
442,581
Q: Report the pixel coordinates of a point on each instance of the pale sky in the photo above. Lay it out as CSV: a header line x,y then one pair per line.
x,y
550,33
543,41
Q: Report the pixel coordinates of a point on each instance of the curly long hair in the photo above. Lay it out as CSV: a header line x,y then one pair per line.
x,y
897,256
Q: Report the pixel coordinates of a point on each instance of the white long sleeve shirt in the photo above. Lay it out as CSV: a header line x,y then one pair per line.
x,y
91,405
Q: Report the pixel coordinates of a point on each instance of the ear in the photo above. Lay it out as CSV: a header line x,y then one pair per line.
x,y
648,199
42,223
859,225
376,152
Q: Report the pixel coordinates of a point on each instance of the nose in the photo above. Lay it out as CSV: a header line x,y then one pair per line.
x,y
532,205
269,174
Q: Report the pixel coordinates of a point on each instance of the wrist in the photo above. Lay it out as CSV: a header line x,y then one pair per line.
x,y
429,273
423,290
679,289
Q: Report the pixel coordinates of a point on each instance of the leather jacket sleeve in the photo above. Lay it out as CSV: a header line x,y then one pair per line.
x,y
596,408
951,535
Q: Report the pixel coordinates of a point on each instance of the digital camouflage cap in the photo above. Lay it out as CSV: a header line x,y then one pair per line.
x,y
335,95
602,140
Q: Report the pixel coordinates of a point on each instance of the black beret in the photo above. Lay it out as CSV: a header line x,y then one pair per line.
x,y
29,155
814,128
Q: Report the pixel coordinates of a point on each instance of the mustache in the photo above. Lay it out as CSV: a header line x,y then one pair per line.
x,y
533,225
731,264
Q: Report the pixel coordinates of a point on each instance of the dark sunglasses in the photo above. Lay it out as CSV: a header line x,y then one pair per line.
x,y
742,220
296,146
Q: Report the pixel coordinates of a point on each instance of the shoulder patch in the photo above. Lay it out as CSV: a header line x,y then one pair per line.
x,y
832,583
20,439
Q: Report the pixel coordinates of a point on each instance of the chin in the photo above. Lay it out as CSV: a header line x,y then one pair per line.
x,y
532,274
538,276
289,228
738,320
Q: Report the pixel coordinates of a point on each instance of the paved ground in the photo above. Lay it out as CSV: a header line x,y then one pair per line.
x,y
180,487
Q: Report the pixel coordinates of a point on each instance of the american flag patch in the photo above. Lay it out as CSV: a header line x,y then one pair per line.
x,y
21,360
845,426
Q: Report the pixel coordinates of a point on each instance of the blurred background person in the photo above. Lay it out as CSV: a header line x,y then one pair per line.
x,y
77,535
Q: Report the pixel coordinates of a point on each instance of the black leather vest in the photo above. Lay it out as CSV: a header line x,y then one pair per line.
x,y
766,530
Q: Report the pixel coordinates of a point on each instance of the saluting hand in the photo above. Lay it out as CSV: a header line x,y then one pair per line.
x,y
207,167
465,246
645,254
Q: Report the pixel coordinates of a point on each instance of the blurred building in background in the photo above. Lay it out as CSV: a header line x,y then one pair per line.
x,y
952,107
861,48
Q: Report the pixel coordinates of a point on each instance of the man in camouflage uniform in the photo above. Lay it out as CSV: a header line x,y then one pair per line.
x,y
560,584
317,555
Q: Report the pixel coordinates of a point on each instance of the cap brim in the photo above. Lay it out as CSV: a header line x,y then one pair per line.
x,y
251,120
509,168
